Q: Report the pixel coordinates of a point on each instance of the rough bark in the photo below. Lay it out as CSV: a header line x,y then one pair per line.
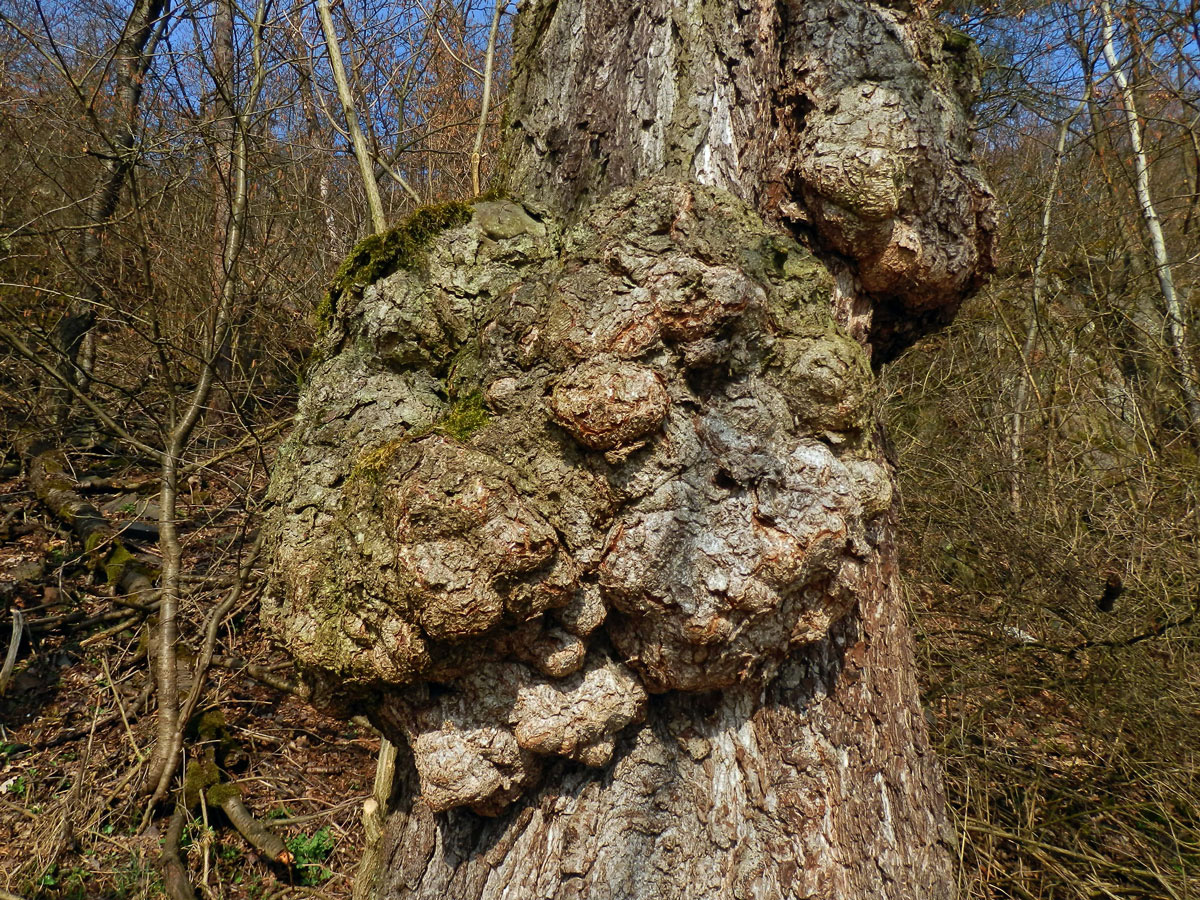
x,y
841,120
610,496
584,508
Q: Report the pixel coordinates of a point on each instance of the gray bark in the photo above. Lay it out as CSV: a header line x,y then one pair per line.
x,y
584,507
841,120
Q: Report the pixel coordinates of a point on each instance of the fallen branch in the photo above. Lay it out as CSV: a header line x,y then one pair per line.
x,y
101,636
131,483
56,490
78,619
202,781
261,838
260,673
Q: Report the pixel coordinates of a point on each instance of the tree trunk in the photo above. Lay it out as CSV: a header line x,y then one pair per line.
x,y
358,141
842,120
584,508
132,58
1176,331
822,785
221,136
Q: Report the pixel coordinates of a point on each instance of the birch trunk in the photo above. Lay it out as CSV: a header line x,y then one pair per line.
x,y
362,152
1177,337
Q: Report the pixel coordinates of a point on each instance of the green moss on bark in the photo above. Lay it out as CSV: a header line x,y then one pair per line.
x,y
220,794
201,774
462,419
380,255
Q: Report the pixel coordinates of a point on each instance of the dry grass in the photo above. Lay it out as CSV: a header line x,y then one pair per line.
x,y
1070,736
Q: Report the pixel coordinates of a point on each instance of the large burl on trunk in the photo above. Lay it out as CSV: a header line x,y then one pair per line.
x,y
584,509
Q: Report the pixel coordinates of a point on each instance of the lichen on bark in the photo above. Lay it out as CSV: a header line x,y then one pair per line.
x,y
663,481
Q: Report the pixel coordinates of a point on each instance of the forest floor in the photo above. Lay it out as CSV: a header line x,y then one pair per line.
x,y
76,726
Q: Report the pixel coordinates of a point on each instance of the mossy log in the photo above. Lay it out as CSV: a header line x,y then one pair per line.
x,y
56,489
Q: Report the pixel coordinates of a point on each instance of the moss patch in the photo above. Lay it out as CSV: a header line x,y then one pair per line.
x,y
495,192
373,462
220,794
955,41
210,726
464,417
114,566
380,255
201,775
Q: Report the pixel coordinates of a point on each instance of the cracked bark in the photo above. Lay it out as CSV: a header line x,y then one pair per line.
x,y
843,121
584,508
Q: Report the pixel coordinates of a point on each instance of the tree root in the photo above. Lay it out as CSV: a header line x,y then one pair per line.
x,y
174,873
261,838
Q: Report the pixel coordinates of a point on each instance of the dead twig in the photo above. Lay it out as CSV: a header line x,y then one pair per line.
x,y
121,708
17,809
14,646
1041,850
312,817
252,438
65,737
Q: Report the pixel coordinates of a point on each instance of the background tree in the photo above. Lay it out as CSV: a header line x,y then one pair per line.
x,y
1066,757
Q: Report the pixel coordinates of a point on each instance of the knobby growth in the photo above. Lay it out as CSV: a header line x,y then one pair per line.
x,y
668,484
